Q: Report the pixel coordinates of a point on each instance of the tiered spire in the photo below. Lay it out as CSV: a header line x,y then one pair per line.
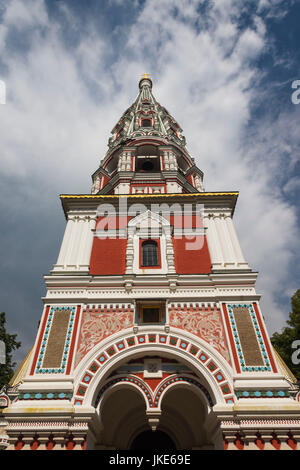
x,y
146,117
147,152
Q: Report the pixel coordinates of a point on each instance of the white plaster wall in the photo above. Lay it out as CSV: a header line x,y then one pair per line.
x,y
75,251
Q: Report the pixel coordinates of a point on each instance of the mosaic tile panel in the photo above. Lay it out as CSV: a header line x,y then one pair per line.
x,y
261,360
56,341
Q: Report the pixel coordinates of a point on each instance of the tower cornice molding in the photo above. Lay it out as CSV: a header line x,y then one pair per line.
x,y
232,279
213,202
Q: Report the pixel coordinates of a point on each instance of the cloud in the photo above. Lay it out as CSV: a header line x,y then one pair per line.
x,y
19,15
292,185
64,97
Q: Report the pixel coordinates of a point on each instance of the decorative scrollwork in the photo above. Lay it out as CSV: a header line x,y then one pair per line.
x,y
205,324
97,326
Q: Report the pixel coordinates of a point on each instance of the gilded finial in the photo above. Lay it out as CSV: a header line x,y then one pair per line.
x,y
145,76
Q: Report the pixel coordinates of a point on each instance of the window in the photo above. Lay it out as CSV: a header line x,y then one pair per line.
x,y
149,253
151,315
148,165
150,312
146,122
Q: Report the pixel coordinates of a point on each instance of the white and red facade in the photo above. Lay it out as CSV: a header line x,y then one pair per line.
x,y
202,370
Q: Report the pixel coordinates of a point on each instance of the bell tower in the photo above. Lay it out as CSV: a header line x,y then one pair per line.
x,y
151,335
148,151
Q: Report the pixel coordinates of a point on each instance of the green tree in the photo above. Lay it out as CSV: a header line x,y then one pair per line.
x,y
7,369
283,341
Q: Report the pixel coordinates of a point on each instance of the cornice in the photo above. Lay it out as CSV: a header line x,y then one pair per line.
x,y
219,200
185,296
117,196
209,281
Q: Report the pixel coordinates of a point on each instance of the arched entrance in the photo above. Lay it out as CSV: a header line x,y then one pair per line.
x,y
122,413
159,410
155,381
185,413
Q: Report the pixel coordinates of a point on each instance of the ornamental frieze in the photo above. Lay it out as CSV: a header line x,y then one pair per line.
x,y
99,324
206,324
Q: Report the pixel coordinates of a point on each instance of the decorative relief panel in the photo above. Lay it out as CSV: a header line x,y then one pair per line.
x,y
54,352
204,322
99,323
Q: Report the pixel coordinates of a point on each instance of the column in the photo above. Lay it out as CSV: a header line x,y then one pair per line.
x,y
85,248
74,256
71,241
214,247
130,252
128,161
82,243
170,252
162,168
120,163
173,161
64,246
166,161
133,162
235,243
225,242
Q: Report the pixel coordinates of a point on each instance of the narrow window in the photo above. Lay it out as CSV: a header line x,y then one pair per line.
x,y
149,253
146,122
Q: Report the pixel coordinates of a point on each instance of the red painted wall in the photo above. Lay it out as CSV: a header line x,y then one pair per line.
x,y
187,261
112,222
108,256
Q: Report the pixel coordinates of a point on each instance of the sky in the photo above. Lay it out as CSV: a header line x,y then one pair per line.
x,y
224,69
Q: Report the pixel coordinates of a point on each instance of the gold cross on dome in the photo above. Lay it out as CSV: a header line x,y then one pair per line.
x,y
146,75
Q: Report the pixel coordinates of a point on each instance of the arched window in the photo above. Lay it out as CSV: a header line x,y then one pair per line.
x,y
149,253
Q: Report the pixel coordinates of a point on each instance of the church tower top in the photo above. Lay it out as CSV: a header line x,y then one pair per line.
x,y
147,144
145,80
146,117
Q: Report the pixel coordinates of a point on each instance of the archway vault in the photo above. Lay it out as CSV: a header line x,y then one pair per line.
x,y
128,406
153,398
211,370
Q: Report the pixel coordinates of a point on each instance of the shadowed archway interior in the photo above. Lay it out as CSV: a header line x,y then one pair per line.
x,y
149,440
180,422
